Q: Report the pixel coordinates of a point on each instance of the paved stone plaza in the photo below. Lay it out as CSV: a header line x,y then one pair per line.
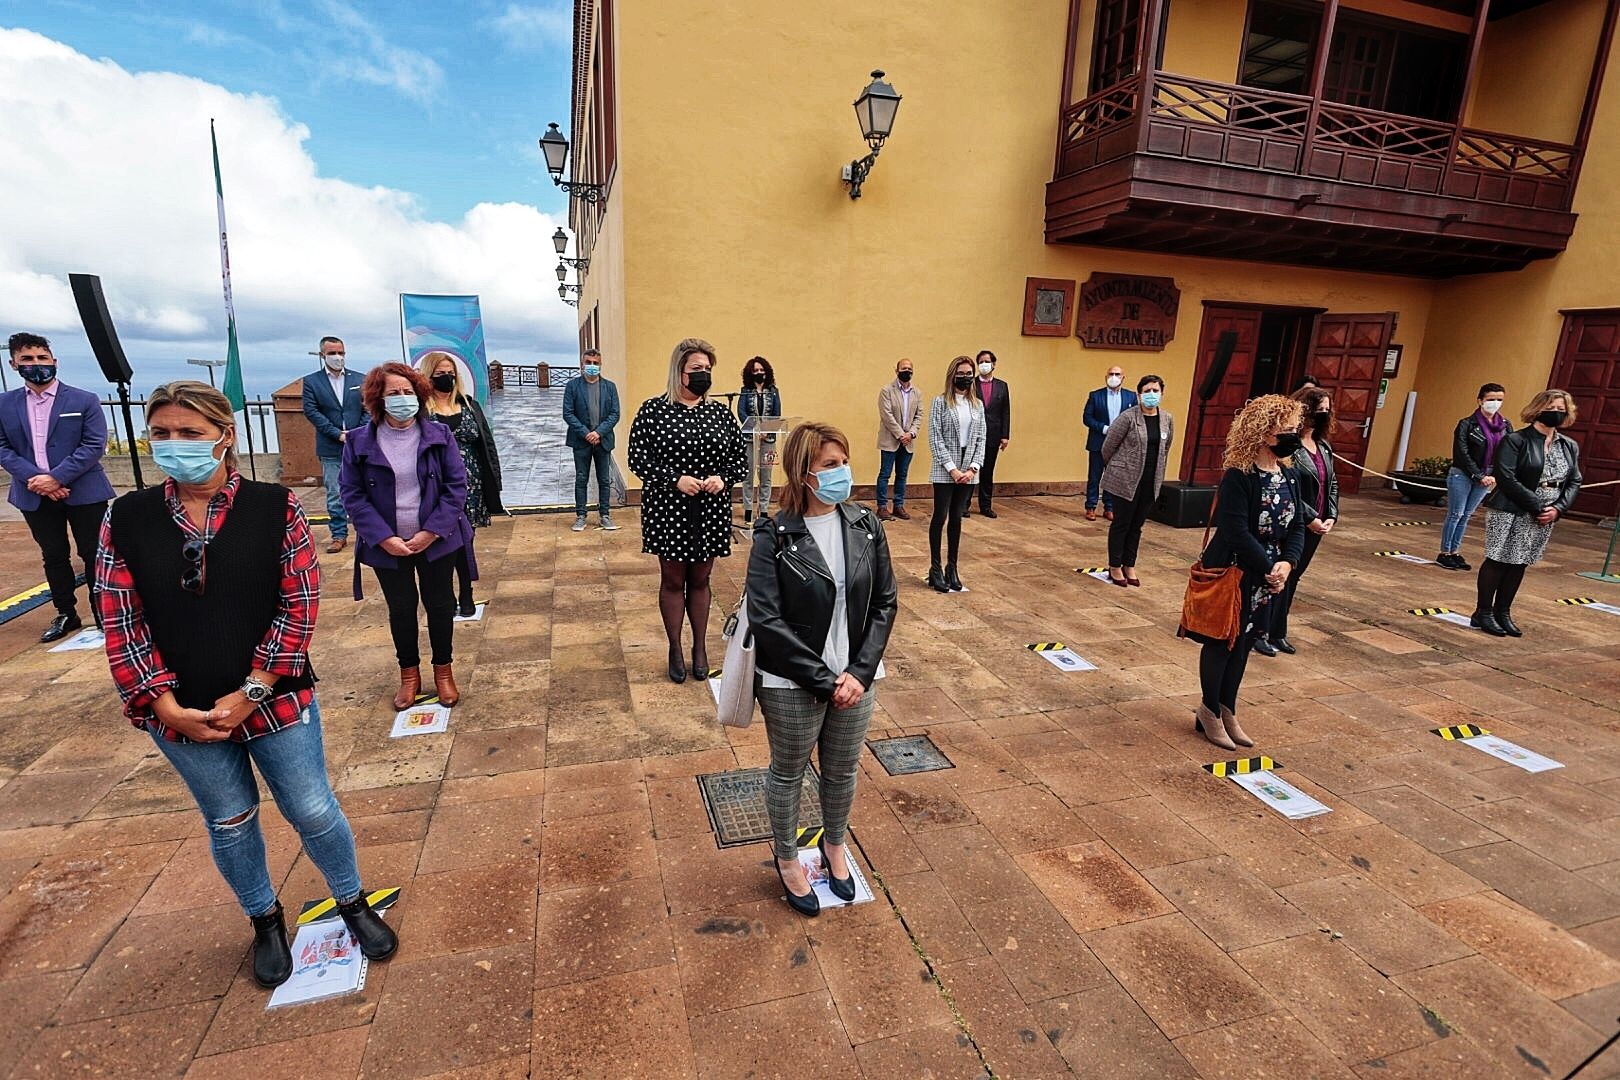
x,y
1074,897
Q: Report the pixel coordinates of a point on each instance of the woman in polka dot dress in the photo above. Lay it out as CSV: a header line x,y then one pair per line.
x,y
688,452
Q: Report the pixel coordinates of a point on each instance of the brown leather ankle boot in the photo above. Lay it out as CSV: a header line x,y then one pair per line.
x,y
444,681
1234,732
1210,727
410,684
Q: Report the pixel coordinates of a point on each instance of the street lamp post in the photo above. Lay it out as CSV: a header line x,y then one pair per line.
x,y
210,365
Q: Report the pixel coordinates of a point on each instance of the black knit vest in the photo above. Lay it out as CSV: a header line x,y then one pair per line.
x,y
208,641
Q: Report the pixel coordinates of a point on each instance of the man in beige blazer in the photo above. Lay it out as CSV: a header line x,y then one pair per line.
x,y
900,410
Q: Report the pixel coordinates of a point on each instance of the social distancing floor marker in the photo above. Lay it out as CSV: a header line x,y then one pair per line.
x,y
1497,747
1444,614
1403,556
1591,602
1254,775
1401,524
424,718
1060,656
316,910
1098,572
816,873
29,599
476,616
327,961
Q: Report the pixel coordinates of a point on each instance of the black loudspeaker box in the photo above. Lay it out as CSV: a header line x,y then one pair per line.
x,y
98,327
1183,506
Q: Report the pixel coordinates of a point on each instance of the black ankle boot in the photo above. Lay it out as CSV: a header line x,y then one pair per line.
x,y
1486,621
936,579
377,940
272,953
952,580
1504,619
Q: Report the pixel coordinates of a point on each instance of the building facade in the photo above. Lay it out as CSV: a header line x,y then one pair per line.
x,y
1391,196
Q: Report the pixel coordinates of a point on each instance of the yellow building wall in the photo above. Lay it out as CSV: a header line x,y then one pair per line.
x,y
1204,40
737,229
1504,327
1533,70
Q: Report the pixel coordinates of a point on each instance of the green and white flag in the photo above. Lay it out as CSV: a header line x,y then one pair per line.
x,y
233,355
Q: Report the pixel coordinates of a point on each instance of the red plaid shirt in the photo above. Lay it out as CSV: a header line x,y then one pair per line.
x,y
138,670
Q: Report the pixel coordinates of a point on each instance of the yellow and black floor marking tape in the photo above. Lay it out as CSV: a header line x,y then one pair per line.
x,y
28,600
1045,646
1387,554
1240,767
1428,611
1398,524
1577,601
316,910
1091,569
810,837
1459,731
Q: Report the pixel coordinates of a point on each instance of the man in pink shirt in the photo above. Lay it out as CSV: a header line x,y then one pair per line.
x,y
52,438
997,427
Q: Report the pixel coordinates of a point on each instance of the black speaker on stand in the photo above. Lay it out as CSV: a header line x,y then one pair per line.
x,y
1185,504
98,327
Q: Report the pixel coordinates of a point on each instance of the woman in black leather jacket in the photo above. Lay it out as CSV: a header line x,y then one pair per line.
x,y
821,603
1318,506
1538,476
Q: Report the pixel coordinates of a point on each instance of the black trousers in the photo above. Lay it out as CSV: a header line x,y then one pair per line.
x,y
437,596
1283,601
51,524
1220,671
1125,531
950,503
987,475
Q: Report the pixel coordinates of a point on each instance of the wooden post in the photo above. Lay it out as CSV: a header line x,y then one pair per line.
x,y
1147,59
1594,85
1072,43
1319,63
1476,35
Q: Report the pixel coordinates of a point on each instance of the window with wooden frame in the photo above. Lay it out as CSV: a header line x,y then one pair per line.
x,y
1113,44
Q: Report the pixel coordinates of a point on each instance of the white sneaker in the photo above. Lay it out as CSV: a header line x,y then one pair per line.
x,y
607,523
578,525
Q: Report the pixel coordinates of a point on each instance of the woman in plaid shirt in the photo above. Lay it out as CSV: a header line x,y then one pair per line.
x,y
208,588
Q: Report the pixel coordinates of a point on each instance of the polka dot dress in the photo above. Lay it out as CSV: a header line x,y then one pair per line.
x,y
669,440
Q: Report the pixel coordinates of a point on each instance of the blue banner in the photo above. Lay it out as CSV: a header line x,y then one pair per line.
x,y
451,324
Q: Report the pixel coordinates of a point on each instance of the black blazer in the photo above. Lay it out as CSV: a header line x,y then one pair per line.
x,y
997,414
1519,461
791,594
1309,489
1237,526
1468,447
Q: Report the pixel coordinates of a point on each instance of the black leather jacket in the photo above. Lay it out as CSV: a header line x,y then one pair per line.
x,y
791,594
1468,447
1309,490
1519,461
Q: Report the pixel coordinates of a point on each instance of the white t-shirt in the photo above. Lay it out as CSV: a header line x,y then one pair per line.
x,y
964,424
827,530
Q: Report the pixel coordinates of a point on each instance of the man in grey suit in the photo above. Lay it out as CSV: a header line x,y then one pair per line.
x,y
332,403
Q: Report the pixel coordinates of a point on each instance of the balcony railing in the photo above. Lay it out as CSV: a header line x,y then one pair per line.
x,y
1222,124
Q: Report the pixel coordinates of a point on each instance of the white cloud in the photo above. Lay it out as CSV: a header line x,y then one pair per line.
x,y
377,61
108,171
530,26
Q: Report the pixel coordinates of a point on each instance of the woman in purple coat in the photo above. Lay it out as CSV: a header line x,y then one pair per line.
x,y
406,491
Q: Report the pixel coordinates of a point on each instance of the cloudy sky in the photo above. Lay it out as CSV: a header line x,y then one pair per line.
x,y
368,149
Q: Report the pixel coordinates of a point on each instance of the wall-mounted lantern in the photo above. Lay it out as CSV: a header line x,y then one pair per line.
x,y
875,110
564,290
554,145
559,240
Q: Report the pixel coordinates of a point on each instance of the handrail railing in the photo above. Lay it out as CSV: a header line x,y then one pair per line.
x,y
123,442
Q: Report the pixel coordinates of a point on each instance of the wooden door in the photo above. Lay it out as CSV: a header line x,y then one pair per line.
x,y
1359,65
1347,358
1215,416
1588,366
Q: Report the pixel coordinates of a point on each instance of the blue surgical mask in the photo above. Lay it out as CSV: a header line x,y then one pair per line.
x,y
833,485
402,407
187,461
593,370
1150,398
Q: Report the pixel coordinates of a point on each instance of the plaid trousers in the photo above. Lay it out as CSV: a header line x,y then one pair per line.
x,y
796,723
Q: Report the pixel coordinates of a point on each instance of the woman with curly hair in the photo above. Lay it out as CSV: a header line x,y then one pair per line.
x,y
1259,526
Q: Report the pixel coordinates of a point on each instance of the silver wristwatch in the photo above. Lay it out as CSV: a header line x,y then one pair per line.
x,y
256,691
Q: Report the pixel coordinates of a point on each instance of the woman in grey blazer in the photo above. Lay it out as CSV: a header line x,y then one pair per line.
x,y
956,440
1137,446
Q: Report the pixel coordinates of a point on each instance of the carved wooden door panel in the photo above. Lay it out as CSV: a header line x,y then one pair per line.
x,y
1347,358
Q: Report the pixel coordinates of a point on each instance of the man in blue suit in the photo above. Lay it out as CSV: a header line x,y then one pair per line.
x,y
1103,407
52,437
591,411
332,403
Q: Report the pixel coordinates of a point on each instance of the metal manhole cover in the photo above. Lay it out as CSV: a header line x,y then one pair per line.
x,y
911,754
736,805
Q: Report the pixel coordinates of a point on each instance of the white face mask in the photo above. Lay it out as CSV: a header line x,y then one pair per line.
x,y
986,368
1114,381
1490,408
333,361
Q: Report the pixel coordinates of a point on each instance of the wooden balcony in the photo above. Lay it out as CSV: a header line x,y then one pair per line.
x,y
1208,168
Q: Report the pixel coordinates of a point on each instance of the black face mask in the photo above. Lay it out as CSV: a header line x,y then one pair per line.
x,y
1553,418
962,382
1287,443
1321,422
444,382
37,374
903,376
698,382
758,377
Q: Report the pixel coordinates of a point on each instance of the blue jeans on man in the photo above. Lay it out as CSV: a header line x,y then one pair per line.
x,y
1094,483
897,462
337,519
602,458
1463,496
293,762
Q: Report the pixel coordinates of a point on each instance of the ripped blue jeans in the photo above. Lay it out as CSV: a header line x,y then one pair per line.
x,y
293,762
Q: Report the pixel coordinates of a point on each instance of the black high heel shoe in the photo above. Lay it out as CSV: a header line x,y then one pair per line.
x,y
843,888
677,666
806,905
700,667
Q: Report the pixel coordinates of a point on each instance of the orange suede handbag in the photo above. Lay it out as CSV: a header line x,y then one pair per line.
x,y
1213,606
